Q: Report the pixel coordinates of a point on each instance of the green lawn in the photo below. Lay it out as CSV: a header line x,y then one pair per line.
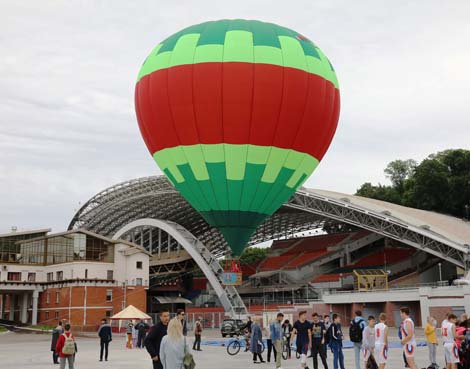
x,y
2,329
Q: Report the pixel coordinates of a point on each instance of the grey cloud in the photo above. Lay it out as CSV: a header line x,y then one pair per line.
x,y
68,70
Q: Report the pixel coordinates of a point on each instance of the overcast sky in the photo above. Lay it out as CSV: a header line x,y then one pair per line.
x,y
68,70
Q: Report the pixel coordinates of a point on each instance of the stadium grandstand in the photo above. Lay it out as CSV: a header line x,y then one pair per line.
x,y
321,244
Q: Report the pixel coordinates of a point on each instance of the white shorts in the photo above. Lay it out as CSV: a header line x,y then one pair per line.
x,y
380,353
365,354
451,352
409,350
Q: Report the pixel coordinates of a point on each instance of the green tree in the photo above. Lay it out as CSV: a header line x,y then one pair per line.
x,y
252,255
440,183
398,171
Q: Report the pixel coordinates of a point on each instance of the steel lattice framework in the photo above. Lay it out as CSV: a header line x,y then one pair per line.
x,y
154,197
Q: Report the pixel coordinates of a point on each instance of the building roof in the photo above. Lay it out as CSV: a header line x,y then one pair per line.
x,y
21,233
454,229
89,233
155,197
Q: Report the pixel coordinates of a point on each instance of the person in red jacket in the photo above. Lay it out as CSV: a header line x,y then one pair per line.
x,y
66,348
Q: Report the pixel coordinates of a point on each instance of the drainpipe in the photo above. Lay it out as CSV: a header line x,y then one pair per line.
x,y
84,307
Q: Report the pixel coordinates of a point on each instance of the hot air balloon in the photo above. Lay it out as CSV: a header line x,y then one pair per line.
x,y
237,114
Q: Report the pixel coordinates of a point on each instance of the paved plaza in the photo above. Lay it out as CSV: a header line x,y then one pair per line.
x,y
20,350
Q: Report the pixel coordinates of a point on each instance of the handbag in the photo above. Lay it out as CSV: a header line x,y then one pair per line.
x,y
188,360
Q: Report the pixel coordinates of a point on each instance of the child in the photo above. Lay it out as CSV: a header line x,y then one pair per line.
x,y
368,340
336,342
381,341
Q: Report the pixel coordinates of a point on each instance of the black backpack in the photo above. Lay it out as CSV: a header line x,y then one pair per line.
x,y
328,334
355,331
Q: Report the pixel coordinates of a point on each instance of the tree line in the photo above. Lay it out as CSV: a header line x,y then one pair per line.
x,y
439,183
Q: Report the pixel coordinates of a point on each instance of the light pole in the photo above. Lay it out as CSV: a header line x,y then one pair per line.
x,y
440,271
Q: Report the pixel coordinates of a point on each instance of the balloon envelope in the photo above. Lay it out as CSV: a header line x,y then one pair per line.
x,y
237,114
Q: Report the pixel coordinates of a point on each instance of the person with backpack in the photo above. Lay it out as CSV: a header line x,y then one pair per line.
x,y
336,342
55,336
66,348
105,335
355,334
174,346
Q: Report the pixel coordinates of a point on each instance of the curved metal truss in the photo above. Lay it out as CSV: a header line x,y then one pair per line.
x,y
417,237
155,197
197,251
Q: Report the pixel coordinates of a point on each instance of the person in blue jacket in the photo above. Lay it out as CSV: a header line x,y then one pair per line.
x,y
106,336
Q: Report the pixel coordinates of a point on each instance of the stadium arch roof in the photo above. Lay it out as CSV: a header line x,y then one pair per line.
x,y
154,197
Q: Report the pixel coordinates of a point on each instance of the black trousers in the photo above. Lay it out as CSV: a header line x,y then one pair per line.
x,y
197,342
55,358
319,349
104,345
271,348
256,356
140,339
157,364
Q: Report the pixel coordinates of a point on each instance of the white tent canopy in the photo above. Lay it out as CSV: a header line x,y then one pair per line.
x,y
130,313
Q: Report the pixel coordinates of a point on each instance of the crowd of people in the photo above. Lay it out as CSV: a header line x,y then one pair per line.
x,y
370,338
167,343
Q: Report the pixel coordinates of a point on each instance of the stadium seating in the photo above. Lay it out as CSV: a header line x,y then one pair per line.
x,y
388,256
275,262
306,258
317,243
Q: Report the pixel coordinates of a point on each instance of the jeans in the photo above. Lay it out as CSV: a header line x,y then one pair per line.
x,y
319,349
432,352
197,342
104,345
271,348
64,359
357,354
338,357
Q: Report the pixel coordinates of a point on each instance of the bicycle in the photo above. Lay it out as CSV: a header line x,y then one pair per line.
x,y
236,344
286,349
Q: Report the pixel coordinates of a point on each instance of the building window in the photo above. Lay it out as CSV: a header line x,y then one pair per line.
x,y
50,277
47,315
57,297
138,282
109,313
60,276
109,295
110,275
14,276
48,297
86,273
31,277
56,315
139,265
